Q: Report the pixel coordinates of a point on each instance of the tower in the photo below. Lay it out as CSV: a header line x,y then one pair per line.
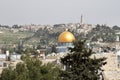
x,y
81,20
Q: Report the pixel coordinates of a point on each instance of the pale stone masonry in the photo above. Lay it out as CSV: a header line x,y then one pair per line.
x,y
111,69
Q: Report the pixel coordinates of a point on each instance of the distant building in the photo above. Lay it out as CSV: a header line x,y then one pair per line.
x,y
41,53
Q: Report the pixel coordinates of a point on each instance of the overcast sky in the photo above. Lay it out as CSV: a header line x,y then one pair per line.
x,y
59,11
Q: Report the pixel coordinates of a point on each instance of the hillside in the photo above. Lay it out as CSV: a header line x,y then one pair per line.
x,y
9,37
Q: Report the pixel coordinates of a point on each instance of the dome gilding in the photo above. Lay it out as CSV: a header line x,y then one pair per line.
x,y
66,36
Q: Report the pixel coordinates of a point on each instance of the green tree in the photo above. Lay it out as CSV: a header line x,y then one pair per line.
x,y
39,47
116,27
54,49
79,65
31,69
8,74
21,72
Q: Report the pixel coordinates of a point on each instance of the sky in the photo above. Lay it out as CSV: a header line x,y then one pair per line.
x,y
59,11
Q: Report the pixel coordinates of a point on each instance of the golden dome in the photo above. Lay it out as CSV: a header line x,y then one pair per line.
x,y
66,36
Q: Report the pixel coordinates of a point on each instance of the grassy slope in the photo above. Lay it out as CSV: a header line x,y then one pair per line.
x,y
8,36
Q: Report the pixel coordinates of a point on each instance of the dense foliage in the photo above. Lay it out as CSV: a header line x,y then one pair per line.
x,y
31,69
80,66
103,32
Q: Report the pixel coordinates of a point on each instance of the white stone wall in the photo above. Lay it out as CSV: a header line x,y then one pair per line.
x,y
111,70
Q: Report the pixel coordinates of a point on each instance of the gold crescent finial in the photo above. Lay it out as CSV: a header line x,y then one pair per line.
x,y
66,29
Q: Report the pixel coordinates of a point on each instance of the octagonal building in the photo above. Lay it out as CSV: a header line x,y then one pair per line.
x,y
65,40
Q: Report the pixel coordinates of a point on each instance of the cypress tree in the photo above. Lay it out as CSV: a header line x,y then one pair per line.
x,y
79,65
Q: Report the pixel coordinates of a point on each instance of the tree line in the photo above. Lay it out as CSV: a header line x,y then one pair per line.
x,y
77,65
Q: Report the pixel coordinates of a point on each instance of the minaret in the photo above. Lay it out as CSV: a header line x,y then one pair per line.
x,y
82,26
81,20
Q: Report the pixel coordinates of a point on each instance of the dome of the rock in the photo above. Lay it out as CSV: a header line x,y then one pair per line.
x,y
66,37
